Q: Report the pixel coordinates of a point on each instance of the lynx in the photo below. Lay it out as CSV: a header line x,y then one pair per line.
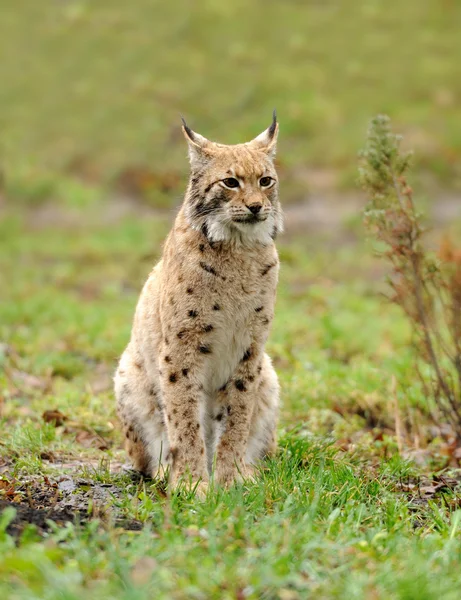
x,y
196,394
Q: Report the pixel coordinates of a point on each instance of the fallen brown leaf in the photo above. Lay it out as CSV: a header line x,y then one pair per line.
x,y
48,456
54,416
7,488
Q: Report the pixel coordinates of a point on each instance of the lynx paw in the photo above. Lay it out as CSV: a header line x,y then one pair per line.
x,y
183,482
228,474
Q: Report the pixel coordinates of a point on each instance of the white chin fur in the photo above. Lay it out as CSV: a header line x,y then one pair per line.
x,y
223,230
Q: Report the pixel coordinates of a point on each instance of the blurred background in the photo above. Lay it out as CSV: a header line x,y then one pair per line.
x,y
92,91
93,166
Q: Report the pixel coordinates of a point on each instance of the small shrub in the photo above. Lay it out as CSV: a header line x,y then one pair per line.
x,y
425,284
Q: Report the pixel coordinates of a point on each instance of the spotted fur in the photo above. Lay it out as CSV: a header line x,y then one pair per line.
x,y
194,387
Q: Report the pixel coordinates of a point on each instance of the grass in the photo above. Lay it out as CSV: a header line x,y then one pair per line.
x,y
337,514
313,527
97,90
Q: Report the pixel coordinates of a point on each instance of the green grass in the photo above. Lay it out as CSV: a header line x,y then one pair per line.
x,y
93,89
332,516
314,526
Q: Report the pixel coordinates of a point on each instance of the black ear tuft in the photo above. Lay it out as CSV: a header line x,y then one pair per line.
x,y
188,130
273,125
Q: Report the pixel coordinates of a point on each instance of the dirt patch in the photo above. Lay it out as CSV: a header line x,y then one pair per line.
x,y
66,499
41,519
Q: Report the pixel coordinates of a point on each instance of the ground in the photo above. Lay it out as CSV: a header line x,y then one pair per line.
x,y
339,512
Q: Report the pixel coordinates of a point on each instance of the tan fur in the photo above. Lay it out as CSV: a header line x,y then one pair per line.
x,y
194,387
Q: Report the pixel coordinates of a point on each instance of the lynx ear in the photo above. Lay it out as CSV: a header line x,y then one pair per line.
x,y
200,149
267,140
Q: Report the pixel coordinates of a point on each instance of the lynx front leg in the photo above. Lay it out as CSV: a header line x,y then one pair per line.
x,y
240,402
182,400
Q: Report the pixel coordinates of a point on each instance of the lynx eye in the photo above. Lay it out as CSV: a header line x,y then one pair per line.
x,y
231,182
265,181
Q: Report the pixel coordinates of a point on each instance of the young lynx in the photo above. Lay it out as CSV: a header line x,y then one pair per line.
x,y
195,390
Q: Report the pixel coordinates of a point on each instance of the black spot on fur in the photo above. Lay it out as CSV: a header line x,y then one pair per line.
x,y
239,384
181,334
208,269
247,355
265,321
216,307
207,328
267,268
190,290
193,313
223,388
173,378
202,247
204,230
167,359
185,372
204,349
251,378
219,417
259,309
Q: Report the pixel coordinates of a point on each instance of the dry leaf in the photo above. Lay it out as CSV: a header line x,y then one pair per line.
x,y
54,416
48,455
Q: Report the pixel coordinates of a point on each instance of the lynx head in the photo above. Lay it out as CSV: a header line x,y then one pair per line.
x,y
233,190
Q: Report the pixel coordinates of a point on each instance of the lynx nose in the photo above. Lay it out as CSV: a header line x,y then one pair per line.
x,y
255,208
